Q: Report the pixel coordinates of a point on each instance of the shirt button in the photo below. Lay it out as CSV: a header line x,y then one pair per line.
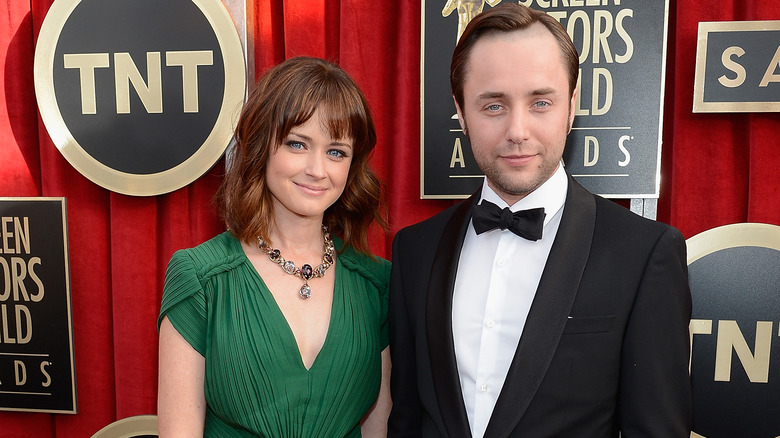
x,y
490,323
483,387
500,263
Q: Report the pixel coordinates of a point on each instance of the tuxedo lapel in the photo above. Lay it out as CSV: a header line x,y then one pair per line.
x,y
549,311
438,311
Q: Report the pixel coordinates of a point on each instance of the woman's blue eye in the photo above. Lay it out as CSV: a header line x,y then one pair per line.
x,y
295,144
337,153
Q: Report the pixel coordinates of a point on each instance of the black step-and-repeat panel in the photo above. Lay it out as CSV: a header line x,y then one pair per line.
x,y
37,371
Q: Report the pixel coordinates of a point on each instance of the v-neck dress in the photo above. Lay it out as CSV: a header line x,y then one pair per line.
x,y
255,381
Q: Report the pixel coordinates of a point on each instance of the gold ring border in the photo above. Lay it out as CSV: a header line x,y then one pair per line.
x,y
129,427
732,236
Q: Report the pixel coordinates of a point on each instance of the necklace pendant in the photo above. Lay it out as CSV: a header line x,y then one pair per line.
x,y
305,291
306,271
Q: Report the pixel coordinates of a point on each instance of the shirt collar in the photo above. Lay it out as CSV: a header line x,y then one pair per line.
x,y
551,195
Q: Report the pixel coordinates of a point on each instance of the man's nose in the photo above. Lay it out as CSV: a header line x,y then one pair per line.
x,y
518,129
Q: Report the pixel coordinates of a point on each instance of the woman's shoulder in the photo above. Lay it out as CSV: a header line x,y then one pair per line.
x,y
216,254
372,268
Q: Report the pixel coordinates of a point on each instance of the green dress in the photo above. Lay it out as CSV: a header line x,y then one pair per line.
x,y
255,381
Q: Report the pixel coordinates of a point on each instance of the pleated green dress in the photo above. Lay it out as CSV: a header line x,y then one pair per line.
x,y
255,381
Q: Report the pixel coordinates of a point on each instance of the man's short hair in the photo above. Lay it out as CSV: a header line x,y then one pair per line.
x,y
505,18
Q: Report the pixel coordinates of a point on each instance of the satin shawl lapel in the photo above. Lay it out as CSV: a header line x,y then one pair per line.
x,y
549,311
438,312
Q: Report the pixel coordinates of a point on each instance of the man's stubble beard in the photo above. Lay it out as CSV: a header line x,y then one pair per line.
x,y
501,181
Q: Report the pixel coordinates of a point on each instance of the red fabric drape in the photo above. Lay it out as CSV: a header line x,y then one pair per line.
x,y
717,169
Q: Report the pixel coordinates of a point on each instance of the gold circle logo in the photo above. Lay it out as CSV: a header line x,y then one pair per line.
x,y
140,96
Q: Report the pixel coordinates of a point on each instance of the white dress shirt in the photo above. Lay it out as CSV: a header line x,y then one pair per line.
x,y
498,274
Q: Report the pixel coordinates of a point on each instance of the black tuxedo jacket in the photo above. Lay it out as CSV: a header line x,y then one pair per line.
x,y
605,347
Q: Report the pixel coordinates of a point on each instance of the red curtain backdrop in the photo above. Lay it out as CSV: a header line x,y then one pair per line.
x,y
716,169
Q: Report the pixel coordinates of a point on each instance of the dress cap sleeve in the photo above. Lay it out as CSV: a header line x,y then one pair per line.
x,y
184,302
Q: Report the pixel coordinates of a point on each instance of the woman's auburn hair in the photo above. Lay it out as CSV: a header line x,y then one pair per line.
x,y
285,97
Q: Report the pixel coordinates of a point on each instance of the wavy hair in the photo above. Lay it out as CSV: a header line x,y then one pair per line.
x,y
285,97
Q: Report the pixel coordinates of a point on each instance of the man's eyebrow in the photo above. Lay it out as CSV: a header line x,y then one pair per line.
x,y
543,91
499,94
490,95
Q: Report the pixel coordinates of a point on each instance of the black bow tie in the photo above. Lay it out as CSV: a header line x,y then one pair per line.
x,y
525,223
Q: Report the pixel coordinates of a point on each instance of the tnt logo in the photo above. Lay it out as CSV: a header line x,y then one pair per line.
x,y
735,332
140,96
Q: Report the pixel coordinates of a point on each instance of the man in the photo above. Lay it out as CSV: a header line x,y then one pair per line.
x,y
577,329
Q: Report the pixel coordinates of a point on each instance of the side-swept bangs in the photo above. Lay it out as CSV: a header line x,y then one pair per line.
x,y
343,109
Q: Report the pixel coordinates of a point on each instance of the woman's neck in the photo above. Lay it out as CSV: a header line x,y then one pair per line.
x,y
295,235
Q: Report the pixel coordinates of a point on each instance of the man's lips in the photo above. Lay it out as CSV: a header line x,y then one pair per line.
x,y
517,160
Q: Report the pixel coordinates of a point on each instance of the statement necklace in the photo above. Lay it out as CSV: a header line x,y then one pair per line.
x,y
305,272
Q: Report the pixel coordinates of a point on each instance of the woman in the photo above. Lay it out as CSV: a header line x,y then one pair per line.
x,y
277,328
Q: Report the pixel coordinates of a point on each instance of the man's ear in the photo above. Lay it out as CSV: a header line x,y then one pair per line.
x,y
461,120
572,109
